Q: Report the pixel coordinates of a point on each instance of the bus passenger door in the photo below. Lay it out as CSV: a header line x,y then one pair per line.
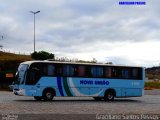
x,y
33,76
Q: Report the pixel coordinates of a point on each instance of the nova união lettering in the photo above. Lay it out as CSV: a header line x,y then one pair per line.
x,y
97,82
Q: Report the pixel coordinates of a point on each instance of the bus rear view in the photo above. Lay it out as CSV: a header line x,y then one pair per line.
x,y
45,80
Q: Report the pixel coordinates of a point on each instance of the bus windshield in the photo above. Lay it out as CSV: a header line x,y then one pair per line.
x,y
20,75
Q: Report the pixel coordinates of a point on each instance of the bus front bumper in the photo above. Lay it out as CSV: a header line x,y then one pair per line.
x,y
19,92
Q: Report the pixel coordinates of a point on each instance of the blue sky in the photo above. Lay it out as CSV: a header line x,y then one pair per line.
x,y
84,29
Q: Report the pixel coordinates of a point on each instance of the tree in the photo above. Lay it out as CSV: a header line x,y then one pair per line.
x,y
42,55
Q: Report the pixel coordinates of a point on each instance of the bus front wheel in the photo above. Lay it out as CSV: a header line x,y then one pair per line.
x,y
109,95
48,94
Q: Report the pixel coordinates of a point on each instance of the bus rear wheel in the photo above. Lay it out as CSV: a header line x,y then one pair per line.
x,y
48,94
109,95
37,98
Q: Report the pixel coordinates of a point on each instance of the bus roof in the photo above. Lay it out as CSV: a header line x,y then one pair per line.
x,y
75,63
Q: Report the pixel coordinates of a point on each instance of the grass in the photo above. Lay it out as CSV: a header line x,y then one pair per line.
x,y
12,56
152,85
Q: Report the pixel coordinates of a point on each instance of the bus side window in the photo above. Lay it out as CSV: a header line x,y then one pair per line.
x,y
68,70
81,71
140,73
51,70
44,70
58,70
75,69
134,73
114,72
99,71
93,71
118,72
125,73
137,73
108,72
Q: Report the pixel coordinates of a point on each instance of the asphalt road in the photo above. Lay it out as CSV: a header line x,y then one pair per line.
x,y
20,107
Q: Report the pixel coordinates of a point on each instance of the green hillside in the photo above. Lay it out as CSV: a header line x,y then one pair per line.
x,y
11,56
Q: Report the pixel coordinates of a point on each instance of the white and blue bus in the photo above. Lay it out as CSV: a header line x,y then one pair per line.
x,y
47,79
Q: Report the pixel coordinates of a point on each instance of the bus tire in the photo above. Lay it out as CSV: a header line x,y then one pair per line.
x,y
109,95
48,94
38,98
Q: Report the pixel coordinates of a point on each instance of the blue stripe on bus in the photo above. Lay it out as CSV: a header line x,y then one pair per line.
x,y
59,82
